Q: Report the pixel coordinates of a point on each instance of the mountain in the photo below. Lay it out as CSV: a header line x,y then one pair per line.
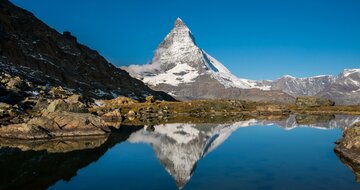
x,y
345,89
302,86
182,69
186,71
35,51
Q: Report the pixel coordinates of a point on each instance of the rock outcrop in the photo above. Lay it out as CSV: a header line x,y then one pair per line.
x,y
349,145
50,113
272,109
56,124
313,101
348,148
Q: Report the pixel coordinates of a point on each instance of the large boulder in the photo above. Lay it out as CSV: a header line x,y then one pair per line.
x,y
112,115
351,139
71,104
150,99
12,88
312,101
4,106
16,82
56,124
59,92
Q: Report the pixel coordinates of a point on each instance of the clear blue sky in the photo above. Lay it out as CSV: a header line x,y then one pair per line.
x,y
255,39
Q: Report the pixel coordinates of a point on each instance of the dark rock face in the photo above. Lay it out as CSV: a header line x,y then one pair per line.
x,y
29,46
312,101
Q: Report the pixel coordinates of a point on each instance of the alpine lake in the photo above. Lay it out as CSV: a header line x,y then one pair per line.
x,y
285,153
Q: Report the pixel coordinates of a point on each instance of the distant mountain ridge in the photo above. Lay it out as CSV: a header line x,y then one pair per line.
x,y
33,49
302,86
182,69
344,88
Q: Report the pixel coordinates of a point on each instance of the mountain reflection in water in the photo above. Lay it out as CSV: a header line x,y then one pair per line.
x,y
178,147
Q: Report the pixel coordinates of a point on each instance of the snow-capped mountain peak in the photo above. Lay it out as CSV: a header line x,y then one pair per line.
x,y
184,70
179,23
288,76
178,60
349,72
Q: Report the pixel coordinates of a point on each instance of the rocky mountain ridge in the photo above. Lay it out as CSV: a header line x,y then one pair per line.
x,y
31,47
343,88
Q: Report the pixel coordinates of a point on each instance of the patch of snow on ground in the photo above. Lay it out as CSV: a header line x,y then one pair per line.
x,y
99,92
99,103
172,77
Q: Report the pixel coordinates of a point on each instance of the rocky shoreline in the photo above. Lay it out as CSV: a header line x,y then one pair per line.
x,y
54,118
30,110
348,149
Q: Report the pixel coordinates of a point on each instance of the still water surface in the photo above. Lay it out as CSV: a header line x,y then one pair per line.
x,y
243,155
